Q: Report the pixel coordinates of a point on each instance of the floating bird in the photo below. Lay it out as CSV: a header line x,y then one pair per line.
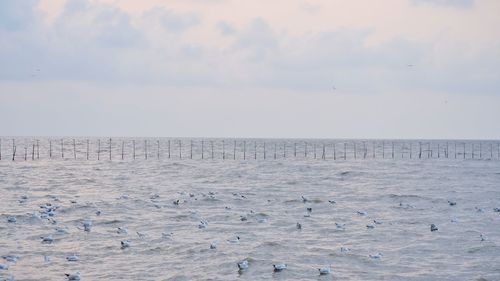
x,y
332,201
98,212
376,256
213,245
497,210
73,257
434,227
309,209
361,213
304,200
340,225
234,240
299,226
279,267
11,219
454,220
125,244
141,234
47,239
46,258
243,218
61,230
10,258
73,276
87,226
4,266
122,230
452,203
10,278
154,196
377,222
480,210
483,238
344,250
176,202
324,270
370,226
203,225
243,264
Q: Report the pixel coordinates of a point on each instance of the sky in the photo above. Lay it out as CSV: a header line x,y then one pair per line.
x,y
420,69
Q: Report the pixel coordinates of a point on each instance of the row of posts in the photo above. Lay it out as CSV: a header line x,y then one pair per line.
x,y
424,150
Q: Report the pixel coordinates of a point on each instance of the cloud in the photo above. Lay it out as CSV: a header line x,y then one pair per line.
x,y
17,15
451,3
172,21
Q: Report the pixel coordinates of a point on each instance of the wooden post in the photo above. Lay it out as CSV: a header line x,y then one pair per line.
x,y
464,150
87,149
244,150
264,150
234,150
223,150
50,149
0,148
212,148
13,149
491,151
202,148
25,152
284,150
472,148
480,150
439,154
33,152
447,149
354,152
62,148
274,150
429,150
373,150
191,149
334,152
146,149
392,150
323,156
168,149
383,149
410,149
365,151
37,149
158,149
419,150
133,149
99,149
180,149
455,150
294,149
305,149
314,150
255,149
345,150
74,149
110,148
123,149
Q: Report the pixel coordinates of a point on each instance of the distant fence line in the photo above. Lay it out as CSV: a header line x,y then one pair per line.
x,y
123,149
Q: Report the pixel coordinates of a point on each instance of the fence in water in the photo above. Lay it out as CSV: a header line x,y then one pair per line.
x,y
24,149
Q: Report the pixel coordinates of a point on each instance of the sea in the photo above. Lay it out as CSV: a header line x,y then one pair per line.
x,y
192,209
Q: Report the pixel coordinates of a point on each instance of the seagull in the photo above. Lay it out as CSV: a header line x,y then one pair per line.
x,y
122,230
340,225
176,202
309,209
73,277
279,267
370,226
497,210
10,258
47,239
213,245
11,219
376,256
483,238
243,264
324,270
4,266
299,226
332,201
454,220
361,213
344,250
234,241
304,200
46,258
73,257
203,224
434,227
98,212
141,234
452,203
377,222
61,230
125,244
480,210
87,226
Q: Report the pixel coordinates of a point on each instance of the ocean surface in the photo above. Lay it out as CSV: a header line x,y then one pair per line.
x,y
377,207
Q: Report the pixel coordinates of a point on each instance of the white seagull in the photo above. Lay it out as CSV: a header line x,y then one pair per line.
x,y
73,277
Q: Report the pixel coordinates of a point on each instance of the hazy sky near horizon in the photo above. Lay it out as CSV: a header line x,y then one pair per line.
x,y
238,68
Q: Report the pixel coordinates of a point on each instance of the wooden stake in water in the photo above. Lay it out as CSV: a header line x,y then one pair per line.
x,y
354,151
455,150
146,149
62,148
334,152
25,152
323,156
234,151
223,150
480,150
244,150
383,149
284,150
314,150
419,150
99,149
365,151
74,149
157,149
13,149
464,150
202,148
33,152
123,149
110,143
255,150
472,148
180,149
439,154
0,149
305,149
274,150
191,149
87,149
50,149
392,150
133,149
373,150
168,149
212,148
294,149
37,149
345,150
264,150
491,151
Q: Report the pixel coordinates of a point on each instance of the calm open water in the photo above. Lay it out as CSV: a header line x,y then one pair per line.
x,y
404,195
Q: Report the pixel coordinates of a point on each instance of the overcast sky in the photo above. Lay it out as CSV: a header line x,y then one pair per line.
x,y
251,68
